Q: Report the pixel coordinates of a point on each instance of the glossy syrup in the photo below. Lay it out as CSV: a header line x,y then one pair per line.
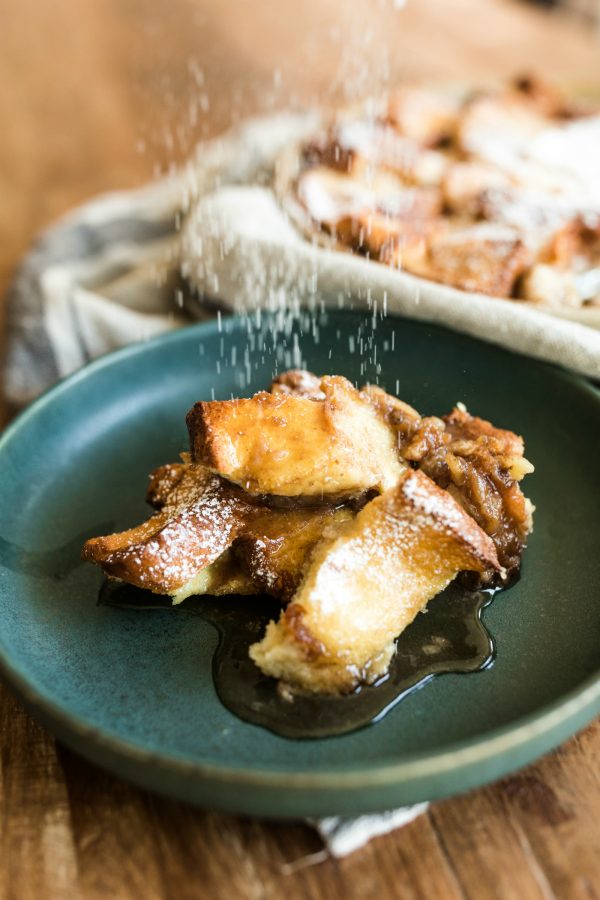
x,y
449,637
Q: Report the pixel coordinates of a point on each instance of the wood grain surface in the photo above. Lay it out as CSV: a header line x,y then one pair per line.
x,y
102,94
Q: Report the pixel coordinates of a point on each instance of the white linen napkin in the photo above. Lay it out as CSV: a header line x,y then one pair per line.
x,y
344,836
111,273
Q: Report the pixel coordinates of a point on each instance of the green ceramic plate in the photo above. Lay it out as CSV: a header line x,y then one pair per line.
x,y
133,691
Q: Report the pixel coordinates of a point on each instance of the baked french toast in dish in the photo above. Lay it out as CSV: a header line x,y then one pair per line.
x,y
492,191
346,505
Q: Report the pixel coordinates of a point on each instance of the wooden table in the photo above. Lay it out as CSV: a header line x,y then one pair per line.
x,y
99,95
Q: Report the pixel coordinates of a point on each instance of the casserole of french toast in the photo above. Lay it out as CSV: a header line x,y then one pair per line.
x,y
346,505
489,191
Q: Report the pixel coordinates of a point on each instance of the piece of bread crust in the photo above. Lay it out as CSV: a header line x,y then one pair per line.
x,y
199,521
484,258
364,586
293,446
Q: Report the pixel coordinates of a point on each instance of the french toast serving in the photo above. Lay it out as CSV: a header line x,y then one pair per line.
x,y
346,505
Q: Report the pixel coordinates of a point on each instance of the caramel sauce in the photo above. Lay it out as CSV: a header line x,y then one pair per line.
x,y
449,637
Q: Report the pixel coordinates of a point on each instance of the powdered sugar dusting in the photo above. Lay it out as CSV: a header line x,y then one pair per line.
x,y
203,519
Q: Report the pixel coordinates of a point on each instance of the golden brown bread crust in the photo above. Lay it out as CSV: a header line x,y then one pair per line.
x,y
385,238
199,521
367,582
466,183
482,258
576,245
491,120
261,443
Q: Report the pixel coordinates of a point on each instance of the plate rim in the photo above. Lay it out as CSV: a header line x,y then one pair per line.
x,y
576,707
462,753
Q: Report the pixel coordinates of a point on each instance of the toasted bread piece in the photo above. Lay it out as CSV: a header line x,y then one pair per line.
x,y
545,220
551,286
426,116
365,585
329,196
384,237
358,145
296,446
199,520
577,244
498,127
484,258
339,202
466,183
416,167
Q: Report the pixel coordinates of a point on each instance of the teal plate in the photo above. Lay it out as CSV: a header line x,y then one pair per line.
x,y
133,691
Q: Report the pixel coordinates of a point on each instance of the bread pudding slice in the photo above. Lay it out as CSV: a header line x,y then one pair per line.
x,y
294,446
366,583
132,555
